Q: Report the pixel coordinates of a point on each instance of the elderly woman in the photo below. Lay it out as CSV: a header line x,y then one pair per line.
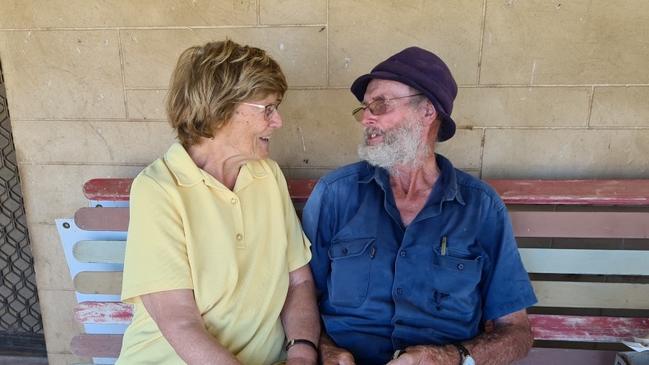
x,y
216,262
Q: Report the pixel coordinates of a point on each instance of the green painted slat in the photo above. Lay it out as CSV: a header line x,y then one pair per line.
x,y
595,262
591,295
107,252
99,282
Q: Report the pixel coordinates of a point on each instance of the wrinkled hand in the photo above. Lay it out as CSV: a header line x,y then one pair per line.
x,y
428,355
300,361
332,355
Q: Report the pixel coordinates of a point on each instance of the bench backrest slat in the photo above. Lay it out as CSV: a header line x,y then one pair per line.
x,y
591,295
585,262
536,260
546,327
549,293
573,192
586,328
525,223
581,224
102,219
108,252
99,282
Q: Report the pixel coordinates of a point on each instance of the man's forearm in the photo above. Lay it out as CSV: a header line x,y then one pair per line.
x,y
506,343
509,341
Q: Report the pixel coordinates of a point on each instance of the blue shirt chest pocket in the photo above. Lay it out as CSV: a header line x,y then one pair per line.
x,y
351,263
456,284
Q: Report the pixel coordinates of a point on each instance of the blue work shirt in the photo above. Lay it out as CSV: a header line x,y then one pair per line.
x,y
384,286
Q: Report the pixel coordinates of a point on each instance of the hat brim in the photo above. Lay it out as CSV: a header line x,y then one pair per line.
x,y
447,127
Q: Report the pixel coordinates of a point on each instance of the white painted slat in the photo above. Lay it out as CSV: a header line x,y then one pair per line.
x,y
591,295
596,262
109,252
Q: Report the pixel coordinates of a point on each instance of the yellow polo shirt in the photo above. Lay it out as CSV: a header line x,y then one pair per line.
x,y
235,249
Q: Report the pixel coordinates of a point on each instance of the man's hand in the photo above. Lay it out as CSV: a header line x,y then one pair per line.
x,y
332,355
300,361
428,355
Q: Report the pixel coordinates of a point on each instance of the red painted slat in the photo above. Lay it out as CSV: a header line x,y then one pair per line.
x,y
587,328
300,189
118,189
96,345
580,224
111,189
546,356
573,192
103,313
512,191
102,219
545,327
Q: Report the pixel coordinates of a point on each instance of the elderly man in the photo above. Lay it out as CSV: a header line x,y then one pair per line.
x,y
415,261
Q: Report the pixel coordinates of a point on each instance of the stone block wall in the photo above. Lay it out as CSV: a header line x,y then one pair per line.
x,y
548,89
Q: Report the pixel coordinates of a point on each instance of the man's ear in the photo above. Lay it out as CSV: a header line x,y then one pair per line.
x,y
430,114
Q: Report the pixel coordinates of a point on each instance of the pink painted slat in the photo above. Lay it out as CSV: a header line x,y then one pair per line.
x,y
526,224
512,191
85,345
103,313
111,189
102,219
580,224
573,192
587,328
547,356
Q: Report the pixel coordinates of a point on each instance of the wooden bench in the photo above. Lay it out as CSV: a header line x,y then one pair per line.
x,y
584,243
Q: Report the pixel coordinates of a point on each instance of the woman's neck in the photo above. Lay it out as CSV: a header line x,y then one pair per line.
x,y
219,158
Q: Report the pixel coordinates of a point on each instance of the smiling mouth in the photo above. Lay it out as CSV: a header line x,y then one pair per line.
x,y
371,134
265,139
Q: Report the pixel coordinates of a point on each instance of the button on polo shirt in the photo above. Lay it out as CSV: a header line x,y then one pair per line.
x,y
235,249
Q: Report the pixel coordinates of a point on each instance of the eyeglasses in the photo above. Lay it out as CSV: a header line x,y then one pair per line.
x,y
268,109
377,107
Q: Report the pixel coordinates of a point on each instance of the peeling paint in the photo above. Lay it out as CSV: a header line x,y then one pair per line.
x,y
533,72
299,132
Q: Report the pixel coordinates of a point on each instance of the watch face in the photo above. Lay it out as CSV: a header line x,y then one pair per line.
x,y
468,361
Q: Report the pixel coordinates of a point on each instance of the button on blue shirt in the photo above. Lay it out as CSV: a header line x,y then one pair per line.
x,y
384,286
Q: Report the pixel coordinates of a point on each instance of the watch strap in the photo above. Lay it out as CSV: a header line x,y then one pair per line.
x,y
464,353
297,341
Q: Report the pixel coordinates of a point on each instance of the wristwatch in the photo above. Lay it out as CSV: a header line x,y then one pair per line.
x,y
465,355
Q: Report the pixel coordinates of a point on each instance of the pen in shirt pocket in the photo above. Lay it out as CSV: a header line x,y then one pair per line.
x,y
443,246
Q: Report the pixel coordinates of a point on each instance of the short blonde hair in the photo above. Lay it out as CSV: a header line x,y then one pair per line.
x,y
210,80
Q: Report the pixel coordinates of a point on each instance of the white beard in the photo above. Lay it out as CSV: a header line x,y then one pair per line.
x,y
401,146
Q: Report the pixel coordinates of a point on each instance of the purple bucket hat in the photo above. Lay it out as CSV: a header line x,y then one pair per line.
x,y
424,71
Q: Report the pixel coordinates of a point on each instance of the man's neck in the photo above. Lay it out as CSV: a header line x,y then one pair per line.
x,y
411,186
413,178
